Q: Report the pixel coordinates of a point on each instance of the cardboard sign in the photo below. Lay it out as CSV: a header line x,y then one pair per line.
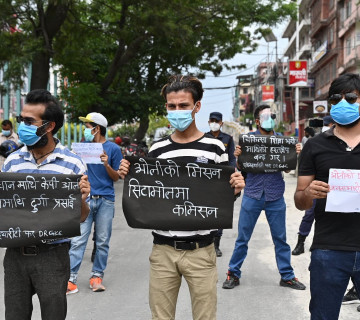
x,y
262,154
89,152
35,208
172,195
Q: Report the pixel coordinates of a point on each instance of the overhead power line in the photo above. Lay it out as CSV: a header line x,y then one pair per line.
x,y
220,88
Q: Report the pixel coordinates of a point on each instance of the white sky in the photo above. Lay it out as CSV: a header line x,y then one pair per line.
x,y
222,100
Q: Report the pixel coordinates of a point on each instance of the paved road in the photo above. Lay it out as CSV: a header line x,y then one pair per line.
x,y
259,296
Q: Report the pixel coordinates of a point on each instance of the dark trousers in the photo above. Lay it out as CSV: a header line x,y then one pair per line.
x,y
307,221
45,274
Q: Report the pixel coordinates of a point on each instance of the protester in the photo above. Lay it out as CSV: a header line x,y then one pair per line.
x,y
263,191
309,133
336,243
308,218
41,269
7,133
102,199
215,124
185,253
304,230
328,122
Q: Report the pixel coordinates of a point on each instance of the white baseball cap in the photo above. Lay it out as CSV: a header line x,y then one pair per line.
x,y
95,117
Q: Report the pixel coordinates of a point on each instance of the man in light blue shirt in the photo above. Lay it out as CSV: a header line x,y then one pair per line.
x,y
101,177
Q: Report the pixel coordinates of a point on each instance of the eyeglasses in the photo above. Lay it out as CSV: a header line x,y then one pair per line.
x,y
350,97
28,121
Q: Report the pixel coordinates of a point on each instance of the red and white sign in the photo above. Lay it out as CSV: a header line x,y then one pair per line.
x,y
267,93
297,74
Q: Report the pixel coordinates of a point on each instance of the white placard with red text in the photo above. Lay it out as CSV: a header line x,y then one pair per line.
x,y
344,195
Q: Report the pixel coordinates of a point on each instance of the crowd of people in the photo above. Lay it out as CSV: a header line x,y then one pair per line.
x,y
50,269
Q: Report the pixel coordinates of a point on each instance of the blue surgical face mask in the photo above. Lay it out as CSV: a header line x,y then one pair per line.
x,y
344,112
27,134
89,137
180,119
6,133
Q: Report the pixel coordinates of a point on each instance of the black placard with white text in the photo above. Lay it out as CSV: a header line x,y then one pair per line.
x,y
36,208
264,154
172,195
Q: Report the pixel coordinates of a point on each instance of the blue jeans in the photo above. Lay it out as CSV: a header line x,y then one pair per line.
x,y
275,214
330,272
307,221
102,214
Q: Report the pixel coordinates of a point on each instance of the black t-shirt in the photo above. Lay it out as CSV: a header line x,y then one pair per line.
x,y
333,230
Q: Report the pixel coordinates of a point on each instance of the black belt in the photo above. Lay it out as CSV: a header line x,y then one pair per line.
x,y
186,244
95,196
36,249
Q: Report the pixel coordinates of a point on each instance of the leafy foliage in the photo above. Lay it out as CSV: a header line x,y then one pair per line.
x,y
118,54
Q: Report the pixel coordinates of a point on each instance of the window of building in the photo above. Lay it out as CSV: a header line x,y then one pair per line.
x,y
304,93
333,70
327,74
348,46
348,9
331,4
245,90
331,35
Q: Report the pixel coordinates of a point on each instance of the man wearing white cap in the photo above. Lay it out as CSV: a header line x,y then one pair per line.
x,y
102,197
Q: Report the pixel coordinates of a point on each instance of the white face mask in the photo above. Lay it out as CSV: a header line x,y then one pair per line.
x,y
214,126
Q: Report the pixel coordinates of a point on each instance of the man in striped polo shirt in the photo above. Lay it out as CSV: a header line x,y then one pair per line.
x,y
43,269
196,263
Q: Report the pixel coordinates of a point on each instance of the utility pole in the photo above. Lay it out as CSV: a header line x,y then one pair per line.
x,y
297,88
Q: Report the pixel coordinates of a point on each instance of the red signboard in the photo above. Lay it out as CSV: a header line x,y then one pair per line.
x,y
267,93
297,74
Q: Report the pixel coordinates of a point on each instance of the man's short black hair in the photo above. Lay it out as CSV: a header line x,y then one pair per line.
x,y
102,129
187,83
7,123
348,82
345,83
53,111
310,131
260,108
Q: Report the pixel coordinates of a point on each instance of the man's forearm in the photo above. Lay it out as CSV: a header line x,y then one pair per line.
x,y
112,173
302,201
84,210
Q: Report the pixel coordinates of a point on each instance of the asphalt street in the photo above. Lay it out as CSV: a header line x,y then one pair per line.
x,y
258,297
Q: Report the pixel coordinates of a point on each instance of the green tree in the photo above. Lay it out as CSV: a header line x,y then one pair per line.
x,y
28,30
118,53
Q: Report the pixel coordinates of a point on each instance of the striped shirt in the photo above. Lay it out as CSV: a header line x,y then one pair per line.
x,y
206,149
60,161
